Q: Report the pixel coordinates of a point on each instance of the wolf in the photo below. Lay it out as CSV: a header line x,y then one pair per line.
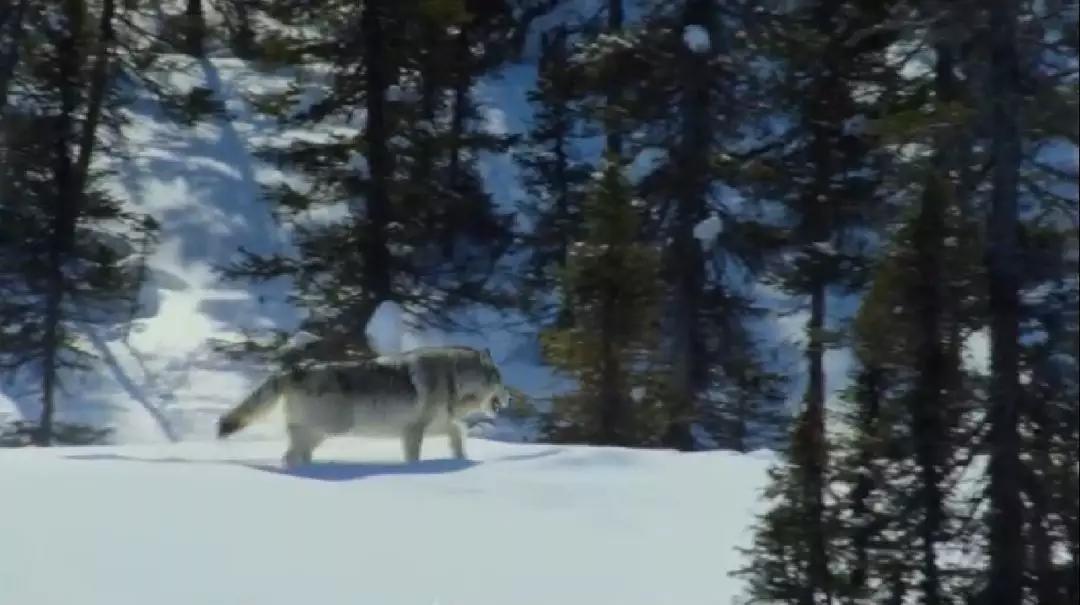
x,y
398,395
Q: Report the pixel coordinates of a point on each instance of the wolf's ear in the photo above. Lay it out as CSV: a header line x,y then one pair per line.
x,y
487,353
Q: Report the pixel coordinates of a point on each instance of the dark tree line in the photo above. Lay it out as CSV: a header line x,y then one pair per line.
x,y
686,161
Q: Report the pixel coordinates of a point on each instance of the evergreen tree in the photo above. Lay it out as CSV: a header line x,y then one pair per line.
x,y
555,176
1048,307
826,170
194,27
1003,274
417,227
66,265
688,117
610,282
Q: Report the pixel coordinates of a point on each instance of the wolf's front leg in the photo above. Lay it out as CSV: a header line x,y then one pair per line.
x,y
302,442
411,438
456,431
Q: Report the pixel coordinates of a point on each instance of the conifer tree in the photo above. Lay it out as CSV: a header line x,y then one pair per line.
x,y
1003,275
416,226
194,27
555,176
686,116
1048,308
826,171
610,281
61,238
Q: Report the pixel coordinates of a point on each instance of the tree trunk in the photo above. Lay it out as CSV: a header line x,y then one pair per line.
x,y
243,36
869,402
1043,572
613,125
12,22
687,263
377,270
462,80
612,412
64,214
99,83
454,216
194,28
817,452
1006,513
928,402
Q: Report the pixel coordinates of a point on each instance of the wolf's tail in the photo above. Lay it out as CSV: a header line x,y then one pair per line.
x,y
256,404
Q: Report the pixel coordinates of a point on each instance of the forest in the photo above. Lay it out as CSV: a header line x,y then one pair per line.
x,y
900,177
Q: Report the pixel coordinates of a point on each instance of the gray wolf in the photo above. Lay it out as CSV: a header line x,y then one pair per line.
x,y
401,395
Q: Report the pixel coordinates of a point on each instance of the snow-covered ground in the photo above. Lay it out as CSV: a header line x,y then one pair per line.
x,y
221,523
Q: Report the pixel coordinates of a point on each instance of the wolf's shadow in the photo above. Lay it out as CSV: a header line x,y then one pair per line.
x,y
329,470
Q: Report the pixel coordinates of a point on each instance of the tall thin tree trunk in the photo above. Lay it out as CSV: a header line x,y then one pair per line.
x,y
455,217
375,252
9,57
869,402
929,400
687,265
243,36
1006,513
462,81
816,459
612,417
194,28
612,414
64,214
12,22
613,125
1035,486
99,83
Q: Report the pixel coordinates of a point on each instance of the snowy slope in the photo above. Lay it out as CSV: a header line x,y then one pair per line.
x,y
163,381
219,523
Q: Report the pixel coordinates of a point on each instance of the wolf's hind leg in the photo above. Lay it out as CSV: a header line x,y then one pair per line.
x,y
457,438
411,439
302,442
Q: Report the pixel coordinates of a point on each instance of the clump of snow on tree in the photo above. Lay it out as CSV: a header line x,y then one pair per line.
x,y
696,38
385,328
707,230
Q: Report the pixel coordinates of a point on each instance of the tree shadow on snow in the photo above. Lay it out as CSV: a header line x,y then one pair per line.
x,y
329,470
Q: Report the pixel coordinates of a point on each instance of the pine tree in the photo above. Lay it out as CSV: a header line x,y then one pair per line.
x,y
194,27
1048,309
416,227
61,238
1003,274
555,177
686,117
826,170
610,281
239,17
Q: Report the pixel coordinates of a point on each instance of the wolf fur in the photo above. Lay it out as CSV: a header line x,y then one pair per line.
x,y
401,395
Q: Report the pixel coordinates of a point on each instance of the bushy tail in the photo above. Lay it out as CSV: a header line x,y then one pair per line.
x,y
256,404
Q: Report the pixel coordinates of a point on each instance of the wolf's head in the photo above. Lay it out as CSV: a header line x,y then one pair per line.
x,y
482,389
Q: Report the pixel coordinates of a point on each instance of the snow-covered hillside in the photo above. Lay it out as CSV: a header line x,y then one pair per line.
x,y
163,381
220,523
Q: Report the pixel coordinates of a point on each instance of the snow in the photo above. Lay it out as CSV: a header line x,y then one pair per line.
x,y
707,230
696,38
385,328
220,522
164,381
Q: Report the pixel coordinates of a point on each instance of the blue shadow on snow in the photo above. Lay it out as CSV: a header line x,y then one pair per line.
x,y
322,471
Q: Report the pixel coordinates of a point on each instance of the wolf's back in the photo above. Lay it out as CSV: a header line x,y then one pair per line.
x,y
256,404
